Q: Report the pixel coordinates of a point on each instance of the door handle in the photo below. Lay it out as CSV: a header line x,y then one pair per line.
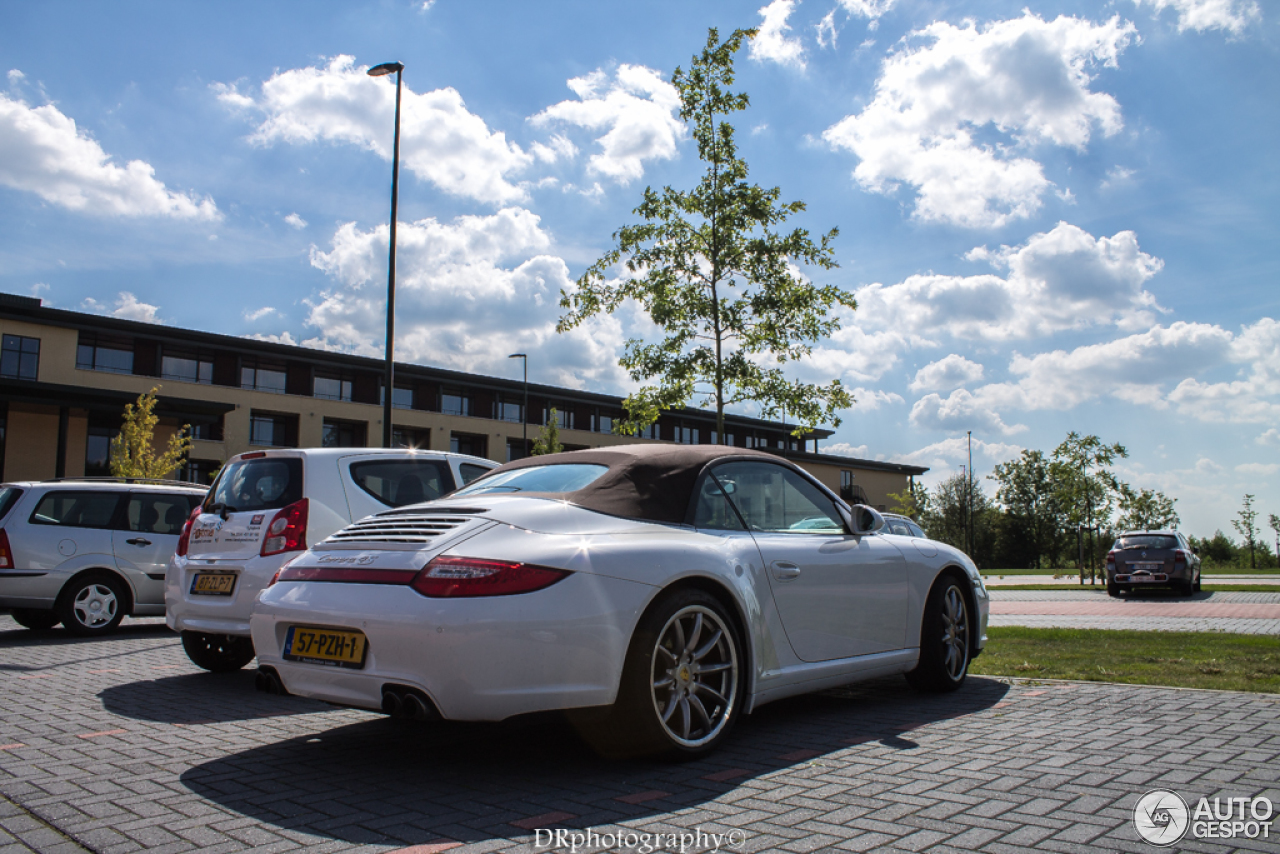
x,y
138,541
785,571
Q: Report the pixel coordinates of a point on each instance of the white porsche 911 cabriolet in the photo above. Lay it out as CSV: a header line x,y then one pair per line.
x,y
655,591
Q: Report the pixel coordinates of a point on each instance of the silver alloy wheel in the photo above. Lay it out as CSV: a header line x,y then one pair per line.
x,y
955,633
695,675
95,605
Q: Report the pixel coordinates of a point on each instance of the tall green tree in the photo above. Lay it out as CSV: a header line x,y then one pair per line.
x,y
548,440
1027,490
912,501
720,278
1275,526
1087,488
1246,526
1145,510
132,454
948,513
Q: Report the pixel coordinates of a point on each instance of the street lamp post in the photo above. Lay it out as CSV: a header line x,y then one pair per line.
x,y
524,409
388,382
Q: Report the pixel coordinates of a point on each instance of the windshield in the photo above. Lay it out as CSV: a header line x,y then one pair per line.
x,y
257,484
553,478
1146,541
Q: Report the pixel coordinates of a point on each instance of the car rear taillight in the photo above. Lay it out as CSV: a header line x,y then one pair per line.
x,y
1179,556
348,574
287,531
184,540
1111,558
456,577
6,554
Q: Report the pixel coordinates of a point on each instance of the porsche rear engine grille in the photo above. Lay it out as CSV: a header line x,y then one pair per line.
x,y
400,528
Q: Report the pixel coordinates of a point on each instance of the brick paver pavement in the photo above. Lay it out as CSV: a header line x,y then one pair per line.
x,y
119,744
1154,610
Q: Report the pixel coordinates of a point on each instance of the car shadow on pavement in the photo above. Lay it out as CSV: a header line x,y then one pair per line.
x,y
192,699
383,781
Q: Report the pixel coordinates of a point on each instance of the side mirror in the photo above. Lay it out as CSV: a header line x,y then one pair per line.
x,y
861,519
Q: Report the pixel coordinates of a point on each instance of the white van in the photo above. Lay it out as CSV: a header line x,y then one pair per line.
x,y
267,507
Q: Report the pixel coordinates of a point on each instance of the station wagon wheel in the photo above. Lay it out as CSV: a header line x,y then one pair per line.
x,y
92,604
944,639
681,686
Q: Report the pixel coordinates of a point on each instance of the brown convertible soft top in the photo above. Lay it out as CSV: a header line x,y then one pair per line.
x,y
650,482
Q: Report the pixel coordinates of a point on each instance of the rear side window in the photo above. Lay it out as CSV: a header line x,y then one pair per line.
x,y
149,513
471,471
9,496
264,483
400,482
77,509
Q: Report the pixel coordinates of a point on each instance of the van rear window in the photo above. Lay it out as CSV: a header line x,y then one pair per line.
x,y
9,496
1146,541
400,482
264,483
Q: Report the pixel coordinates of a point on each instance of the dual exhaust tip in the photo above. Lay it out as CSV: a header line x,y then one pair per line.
x,y
398,701
401,701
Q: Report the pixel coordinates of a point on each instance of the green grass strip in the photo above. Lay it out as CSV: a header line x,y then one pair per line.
x,y
1215,660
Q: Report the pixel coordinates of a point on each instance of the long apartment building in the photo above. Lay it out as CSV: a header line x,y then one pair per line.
x,y
65,377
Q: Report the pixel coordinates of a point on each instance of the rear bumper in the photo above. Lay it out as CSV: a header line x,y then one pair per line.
x,y
1155,578
220,615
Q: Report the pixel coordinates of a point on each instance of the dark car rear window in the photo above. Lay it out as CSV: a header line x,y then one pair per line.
x,y
400,482
1147,541
264,483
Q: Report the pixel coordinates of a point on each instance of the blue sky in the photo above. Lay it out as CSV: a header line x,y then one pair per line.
x,y
1056,215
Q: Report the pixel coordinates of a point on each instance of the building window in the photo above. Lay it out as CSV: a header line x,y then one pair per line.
x,y
272,431
602,423
409,437
20,358
564,417
401,398
508,410
331,388
199,472
715,438
517,449
344,434
97,451
111,356
208,431
454,402
187,370
465,443
255,377
686,435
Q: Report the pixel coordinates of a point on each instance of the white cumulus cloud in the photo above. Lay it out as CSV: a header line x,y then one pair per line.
x,y
1200,15
468,293
295,221
946,373
1026,80
43,152
871,9
127,307
844,449
634,107
772,43
440,140
961,410
1057,280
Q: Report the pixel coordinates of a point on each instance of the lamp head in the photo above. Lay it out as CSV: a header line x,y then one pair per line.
x,y
385,68
518,356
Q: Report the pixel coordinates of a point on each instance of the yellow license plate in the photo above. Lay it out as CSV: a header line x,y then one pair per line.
x,y
332,647
214,583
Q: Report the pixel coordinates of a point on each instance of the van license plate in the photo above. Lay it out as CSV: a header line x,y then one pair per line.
x,y
214,583
331,647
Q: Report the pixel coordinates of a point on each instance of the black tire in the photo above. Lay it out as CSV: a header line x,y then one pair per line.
x,y
945,638
35,619
1187,589
1113,589
1197,584
670,699
217,653
92,605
